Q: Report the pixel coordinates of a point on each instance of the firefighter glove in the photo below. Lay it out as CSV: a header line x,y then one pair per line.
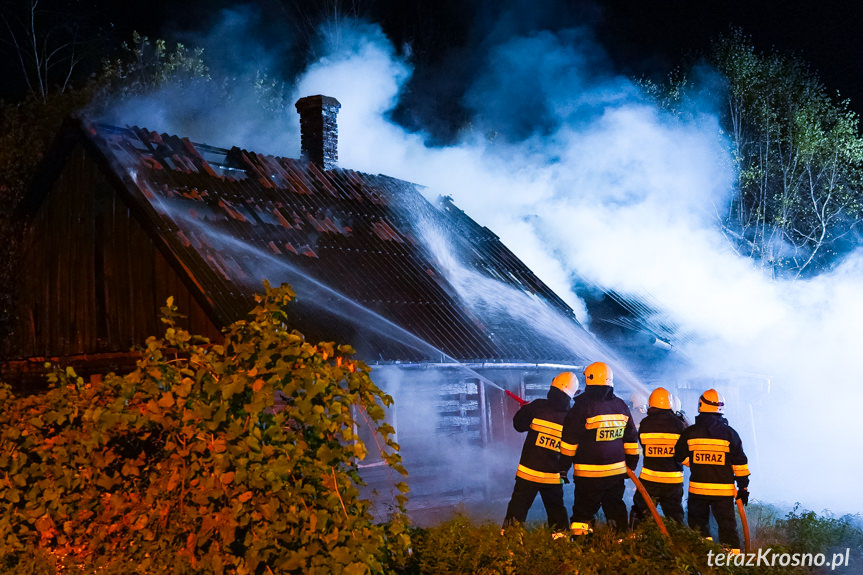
x,y
632,461
743,495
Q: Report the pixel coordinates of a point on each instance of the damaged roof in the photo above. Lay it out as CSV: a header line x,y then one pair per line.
x,y
373,262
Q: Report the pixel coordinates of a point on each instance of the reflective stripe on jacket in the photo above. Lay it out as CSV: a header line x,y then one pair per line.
x,y
715,456
658,434
598,434
542,419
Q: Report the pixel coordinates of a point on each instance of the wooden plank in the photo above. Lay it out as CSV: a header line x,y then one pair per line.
x,y
109,270
88,298
126,261
164,286
101,295
80,271
60,299
143,288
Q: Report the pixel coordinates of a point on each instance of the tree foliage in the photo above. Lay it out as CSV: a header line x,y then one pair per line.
x,y
233,458
797,151
799,156
144,65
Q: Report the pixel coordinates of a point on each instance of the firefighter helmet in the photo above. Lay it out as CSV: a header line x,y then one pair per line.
x,y
567,382
711,401
660,398
676,405
598,373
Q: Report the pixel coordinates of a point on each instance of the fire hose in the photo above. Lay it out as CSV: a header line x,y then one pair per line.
x,y
515,397
647,499
744,522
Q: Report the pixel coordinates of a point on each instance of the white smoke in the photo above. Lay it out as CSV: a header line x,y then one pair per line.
x,y
625,195
580,176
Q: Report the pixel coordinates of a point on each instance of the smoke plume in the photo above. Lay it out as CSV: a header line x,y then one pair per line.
x,y
585,179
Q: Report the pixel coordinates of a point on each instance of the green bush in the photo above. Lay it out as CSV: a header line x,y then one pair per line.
x,y
808,532
234,458
460,547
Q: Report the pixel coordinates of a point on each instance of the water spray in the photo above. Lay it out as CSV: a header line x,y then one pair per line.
x,y
377,323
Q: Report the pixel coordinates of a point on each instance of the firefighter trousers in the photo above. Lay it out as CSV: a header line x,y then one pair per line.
x,y
698,517
667,496
591,493
523,495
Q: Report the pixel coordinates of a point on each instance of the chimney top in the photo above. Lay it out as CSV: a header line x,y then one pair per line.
x,y
319,134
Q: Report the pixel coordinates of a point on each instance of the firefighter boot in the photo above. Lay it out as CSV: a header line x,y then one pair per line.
x,y
578,530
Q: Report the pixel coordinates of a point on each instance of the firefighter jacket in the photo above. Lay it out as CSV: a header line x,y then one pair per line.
x,y
599,436
658,434
543,421
715,456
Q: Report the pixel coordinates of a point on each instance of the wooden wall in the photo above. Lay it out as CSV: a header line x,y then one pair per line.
x,y
92,278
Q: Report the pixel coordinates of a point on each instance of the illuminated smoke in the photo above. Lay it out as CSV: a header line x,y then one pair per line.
x,y
580,177
624,195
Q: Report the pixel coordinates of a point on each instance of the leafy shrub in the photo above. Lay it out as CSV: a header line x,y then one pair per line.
x,y
808,532
234,458
460,547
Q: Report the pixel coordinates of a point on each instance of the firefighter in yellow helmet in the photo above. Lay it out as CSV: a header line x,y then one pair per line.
x,y
600,440
716,460
540,469
661,475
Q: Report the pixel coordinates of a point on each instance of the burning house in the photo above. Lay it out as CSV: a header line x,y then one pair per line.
x,y
446,315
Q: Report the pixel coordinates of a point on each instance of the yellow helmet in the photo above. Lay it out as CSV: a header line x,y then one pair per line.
x,y
598,373
711,401
567,382
660,398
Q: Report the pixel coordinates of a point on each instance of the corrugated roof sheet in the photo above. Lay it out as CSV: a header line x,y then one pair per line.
x,y
350,245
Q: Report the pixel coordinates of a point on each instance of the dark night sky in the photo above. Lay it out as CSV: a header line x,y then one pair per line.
x,y
644,37
826,33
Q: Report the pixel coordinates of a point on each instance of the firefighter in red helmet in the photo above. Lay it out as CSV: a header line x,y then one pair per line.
x,y
661,475
600,440
540,469
716,460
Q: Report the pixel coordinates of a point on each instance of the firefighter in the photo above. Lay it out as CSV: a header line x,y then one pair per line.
x,y
600,440
715,456
661,475
540,469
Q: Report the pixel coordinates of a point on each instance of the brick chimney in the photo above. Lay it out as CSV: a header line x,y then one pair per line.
x,y
319,134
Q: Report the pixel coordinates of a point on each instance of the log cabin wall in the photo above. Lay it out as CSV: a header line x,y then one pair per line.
x,y
94,279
